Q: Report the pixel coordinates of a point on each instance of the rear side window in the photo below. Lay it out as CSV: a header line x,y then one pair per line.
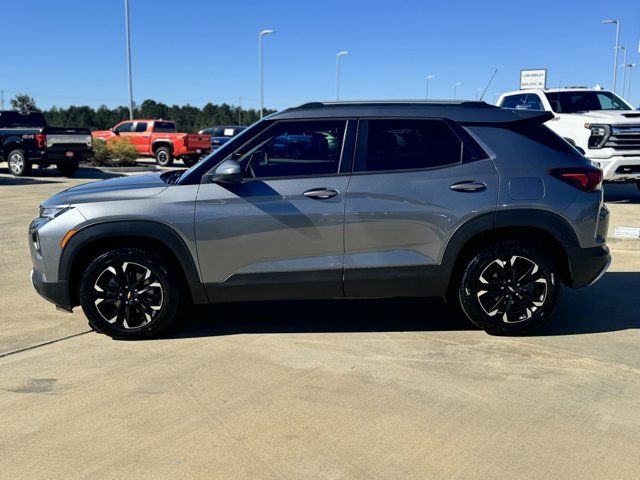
x,y
410,144
542,134
164,127
141,127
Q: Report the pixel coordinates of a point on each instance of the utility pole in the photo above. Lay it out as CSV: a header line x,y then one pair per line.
x,y
128,37
1,99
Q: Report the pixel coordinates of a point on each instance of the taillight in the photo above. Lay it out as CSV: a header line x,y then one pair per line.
x,y
41,140
587,178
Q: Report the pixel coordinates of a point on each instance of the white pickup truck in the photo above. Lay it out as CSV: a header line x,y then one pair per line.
x,y
600,124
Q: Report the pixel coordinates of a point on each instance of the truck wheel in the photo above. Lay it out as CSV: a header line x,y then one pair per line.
x,y
189,161
68,169
164,158
510,288
129,294
18,163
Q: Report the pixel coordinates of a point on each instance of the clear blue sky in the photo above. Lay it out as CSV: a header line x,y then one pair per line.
x,y
72,52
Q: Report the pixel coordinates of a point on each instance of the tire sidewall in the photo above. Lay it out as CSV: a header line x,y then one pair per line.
x,y
467,292
171,294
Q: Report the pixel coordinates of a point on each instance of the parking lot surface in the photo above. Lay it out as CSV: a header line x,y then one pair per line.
x,y
334,389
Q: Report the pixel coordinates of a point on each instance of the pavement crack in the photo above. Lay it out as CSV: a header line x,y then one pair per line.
x,y
42,344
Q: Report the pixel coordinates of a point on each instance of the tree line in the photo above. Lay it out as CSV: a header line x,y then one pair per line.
x,y
187,117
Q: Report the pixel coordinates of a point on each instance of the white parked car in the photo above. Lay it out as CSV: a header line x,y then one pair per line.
x,y
604,127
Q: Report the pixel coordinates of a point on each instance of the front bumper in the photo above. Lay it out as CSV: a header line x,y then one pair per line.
x,y
55,292
587,265
618,168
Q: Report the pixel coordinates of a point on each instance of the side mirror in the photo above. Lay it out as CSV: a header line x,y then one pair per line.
x,y
228,171
115,132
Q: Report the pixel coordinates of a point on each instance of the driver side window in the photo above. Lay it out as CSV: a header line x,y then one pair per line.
x,y
124,127
291,149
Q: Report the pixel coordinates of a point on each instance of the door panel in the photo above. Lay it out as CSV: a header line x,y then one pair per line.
x,y
397,223
259,230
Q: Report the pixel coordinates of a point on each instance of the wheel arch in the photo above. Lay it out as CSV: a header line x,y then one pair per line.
x,y
10,144
539,226
156,144
92,240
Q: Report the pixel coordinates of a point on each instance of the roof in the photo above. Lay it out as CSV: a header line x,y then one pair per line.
x,y
460,111
555,90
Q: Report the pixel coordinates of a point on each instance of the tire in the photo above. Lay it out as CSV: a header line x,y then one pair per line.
x,y
129,294
68,169
189,161
164,157
18,163
514,309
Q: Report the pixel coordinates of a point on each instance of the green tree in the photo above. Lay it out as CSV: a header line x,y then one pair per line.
x,y
23,103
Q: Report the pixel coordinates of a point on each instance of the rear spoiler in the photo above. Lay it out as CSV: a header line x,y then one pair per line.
x,y
509,118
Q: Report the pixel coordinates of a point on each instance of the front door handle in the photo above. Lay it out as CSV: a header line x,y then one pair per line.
x,y
321,193
468,186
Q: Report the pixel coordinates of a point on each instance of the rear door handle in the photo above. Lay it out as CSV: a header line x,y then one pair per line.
x,y
468,186
321,193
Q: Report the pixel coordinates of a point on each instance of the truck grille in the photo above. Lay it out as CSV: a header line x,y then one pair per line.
x,y
624,137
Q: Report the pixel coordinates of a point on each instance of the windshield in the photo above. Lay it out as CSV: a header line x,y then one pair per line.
x,y
584,101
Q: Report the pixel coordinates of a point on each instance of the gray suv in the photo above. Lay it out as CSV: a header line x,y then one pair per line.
x,y
482,206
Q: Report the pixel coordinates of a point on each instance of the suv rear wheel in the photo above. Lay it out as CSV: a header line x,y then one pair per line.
x,y
129,294
510,288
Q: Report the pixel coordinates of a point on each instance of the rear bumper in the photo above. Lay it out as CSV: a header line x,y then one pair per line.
x,y
55,292
587,265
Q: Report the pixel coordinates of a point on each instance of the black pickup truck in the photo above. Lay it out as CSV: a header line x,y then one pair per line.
x,y
26,139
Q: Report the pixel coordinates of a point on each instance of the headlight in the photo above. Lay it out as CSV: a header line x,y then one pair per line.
x,y
599,134
52,212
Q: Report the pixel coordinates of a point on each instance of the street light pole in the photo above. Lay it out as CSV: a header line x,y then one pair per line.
x,y
429,77
624,70
630,67
455,89
128,36
617,47
262,34
338,57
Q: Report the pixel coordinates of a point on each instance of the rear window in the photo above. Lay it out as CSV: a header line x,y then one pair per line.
x,y
22,120
164,127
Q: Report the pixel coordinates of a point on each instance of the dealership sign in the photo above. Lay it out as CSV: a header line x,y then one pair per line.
x,y
533,79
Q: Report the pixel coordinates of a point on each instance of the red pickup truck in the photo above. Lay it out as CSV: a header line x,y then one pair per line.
x,y
160,139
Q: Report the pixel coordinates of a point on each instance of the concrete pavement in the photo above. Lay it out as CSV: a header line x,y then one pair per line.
x,y
335,389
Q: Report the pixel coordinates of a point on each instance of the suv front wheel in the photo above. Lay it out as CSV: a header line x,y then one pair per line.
x,y
510,288
129,294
